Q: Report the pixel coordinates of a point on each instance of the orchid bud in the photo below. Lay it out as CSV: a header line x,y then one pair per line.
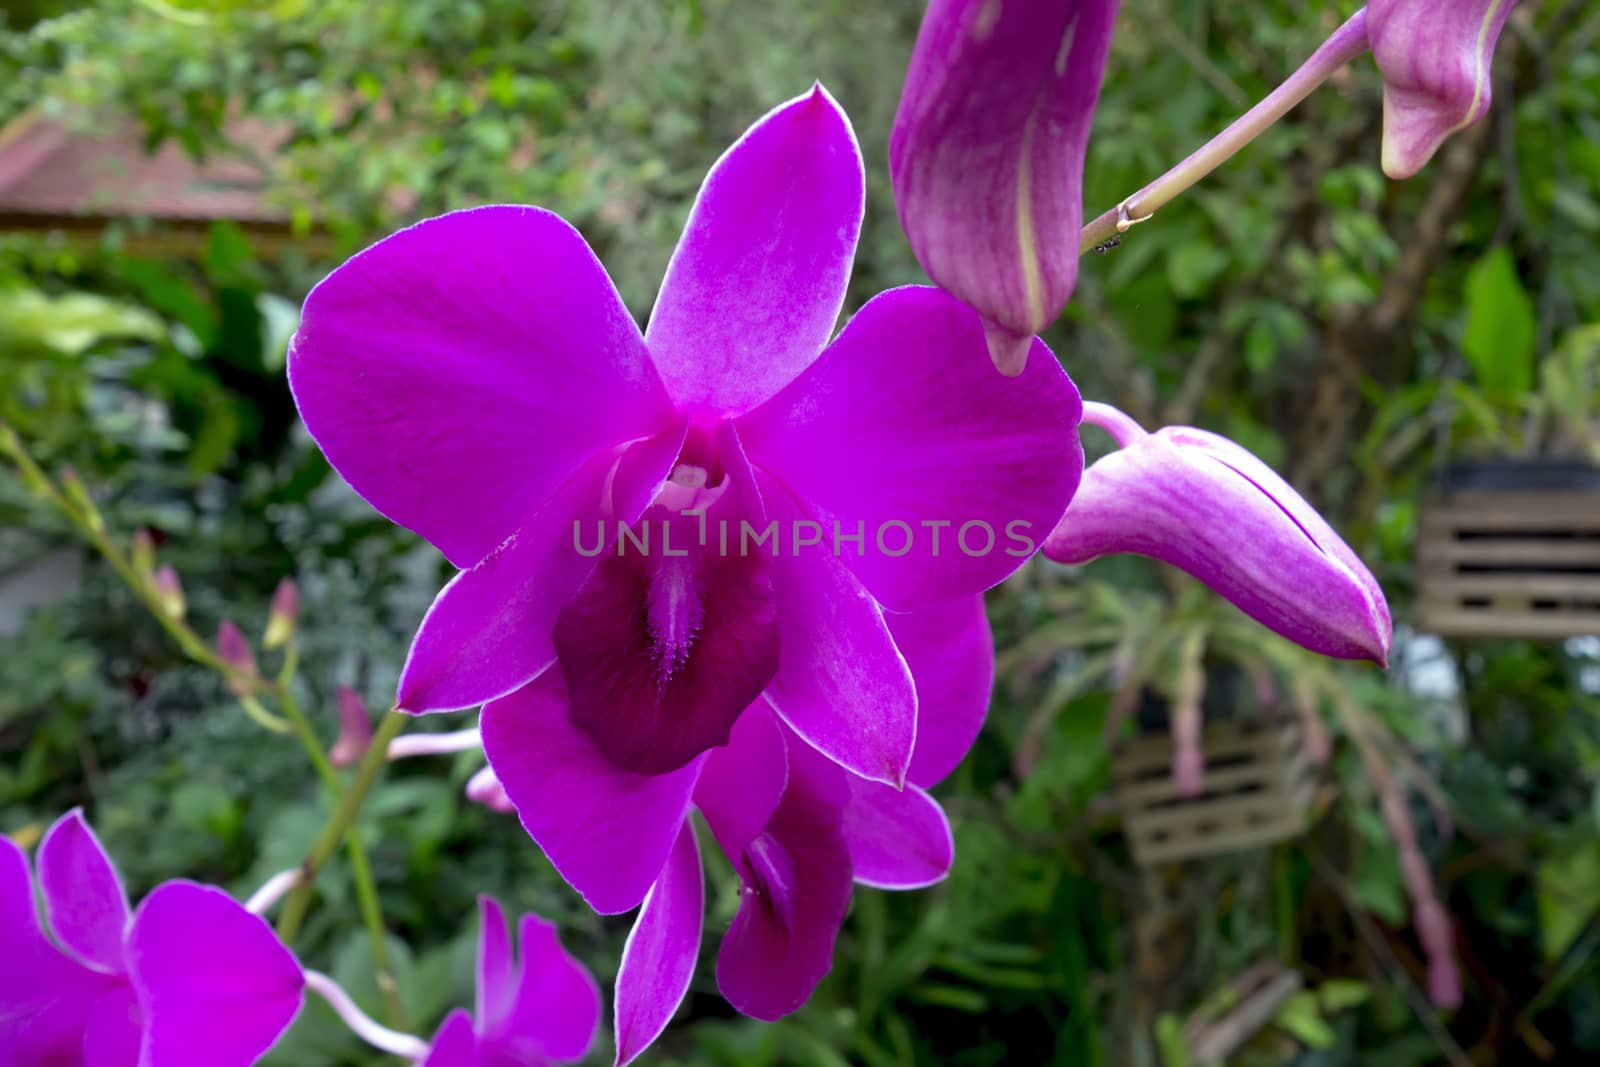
x,y
234,650
142,554
987,154
282,614
169,592
355,728
1435,57
1203,504
485,788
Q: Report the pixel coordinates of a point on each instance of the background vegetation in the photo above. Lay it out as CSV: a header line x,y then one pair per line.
x,y
1358,334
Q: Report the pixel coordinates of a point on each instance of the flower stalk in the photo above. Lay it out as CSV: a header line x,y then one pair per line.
x,y
406,1046
1347,42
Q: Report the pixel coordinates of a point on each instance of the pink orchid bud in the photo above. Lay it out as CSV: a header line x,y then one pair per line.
x,y
1444,982
1203,504
234,650
485,788
355,729
987,155
281,616
169,591
1435,57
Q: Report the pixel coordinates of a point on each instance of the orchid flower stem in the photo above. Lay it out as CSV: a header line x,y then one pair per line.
x,y
80,510
434,744
1347,42
360,864
272,891
343,819
378,1036
1122,428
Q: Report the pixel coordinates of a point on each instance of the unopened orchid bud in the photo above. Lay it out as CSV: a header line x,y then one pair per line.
x,y
485,788
987,151
169,591
142,553
282,614
1435,57
234,650
355,729
1203,504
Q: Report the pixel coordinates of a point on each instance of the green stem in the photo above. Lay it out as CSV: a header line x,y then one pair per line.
x,y
360,863
344,816
1347,42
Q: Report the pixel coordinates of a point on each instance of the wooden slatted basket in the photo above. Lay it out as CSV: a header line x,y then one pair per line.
x,y
1509,564
1257,791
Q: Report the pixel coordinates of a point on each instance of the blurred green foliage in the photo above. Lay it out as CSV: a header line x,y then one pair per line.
x,y
1357,334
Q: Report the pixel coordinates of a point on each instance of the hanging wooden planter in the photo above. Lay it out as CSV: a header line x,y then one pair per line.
x,y
1257,791
1511,549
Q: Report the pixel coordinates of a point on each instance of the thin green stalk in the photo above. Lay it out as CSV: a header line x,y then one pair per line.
x,y
344,816
360,863
1347,42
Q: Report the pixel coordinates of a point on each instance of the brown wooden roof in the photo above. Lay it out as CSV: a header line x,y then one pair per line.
x,y
76,171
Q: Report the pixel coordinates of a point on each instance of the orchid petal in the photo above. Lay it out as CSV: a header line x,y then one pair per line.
x,y
45,995
460,371
759,276
1435,57
796,888
950,651
497,976
608,831
488,632
1202,503
987,155
114,1031
556,1009
455,1045
87,905
216,988
898,839
841,683
740,785
942,482
659,957
663,650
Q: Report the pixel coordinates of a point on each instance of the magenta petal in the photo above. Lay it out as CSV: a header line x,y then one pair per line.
x,y
216,987
45,995
759,275
556,1009
661,653
455,1045
951,655
488,632
951,476
83,896
841,683
740,785
497,979
459,372
608,831
1435,57
796,888
659,957
1202,503
898,839
114,1033
987,153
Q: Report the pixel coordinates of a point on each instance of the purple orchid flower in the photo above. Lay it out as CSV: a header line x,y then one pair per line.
x,y
987,155
798,830
541,1007
189,978
1203,504
477,378
1435,57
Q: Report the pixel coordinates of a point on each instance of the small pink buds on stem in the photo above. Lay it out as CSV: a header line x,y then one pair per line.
x,y
355,729
169,592
234,651
281,616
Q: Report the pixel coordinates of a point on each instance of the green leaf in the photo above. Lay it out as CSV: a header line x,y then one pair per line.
x,y
1499,335
1194,266
1169,1039
1337,994
1300,1016
1568,895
